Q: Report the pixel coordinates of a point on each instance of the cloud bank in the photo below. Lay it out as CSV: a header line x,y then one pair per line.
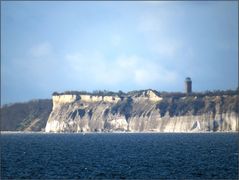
x,y
117,46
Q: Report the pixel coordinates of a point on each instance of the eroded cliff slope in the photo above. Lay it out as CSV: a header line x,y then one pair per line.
x,y
27,116
142,111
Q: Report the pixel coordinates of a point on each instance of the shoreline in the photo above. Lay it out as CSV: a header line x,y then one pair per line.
x,y
115,132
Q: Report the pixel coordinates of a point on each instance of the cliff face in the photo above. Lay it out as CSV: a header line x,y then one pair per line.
x,y
143,112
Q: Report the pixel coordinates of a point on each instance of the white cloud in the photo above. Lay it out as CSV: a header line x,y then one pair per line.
x,y
158,20
142,76
157,28
167,48
94,68
125,69
38,68
148,23
40,50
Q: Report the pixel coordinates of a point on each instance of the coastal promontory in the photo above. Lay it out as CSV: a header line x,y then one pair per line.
x,y
135,111
143,111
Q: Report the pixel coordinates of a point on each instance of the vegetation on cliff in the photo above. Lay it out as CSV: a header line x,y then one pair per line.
x,y
140,92
196,105
28,116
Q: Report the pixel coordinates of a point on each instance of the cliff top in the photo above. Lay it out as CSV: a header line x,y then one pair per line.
x,y
138,93
108,93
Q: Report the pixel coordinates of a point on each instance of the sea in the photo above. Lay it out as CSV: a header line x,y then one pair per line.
x,y
119,156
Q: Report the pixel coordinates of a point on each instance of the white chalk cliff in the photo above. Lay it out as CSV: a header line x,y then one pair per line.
x,y
145,112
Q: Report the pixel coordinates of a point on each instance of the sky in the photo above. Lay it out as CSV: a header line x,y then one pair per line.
x,y
60,46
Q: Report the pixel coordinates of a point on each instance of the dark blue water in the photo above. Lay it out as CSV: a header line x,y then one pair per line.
x,y
114,156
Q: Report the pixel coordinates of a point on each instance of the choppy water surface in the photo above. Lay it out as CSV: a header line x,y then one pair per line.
x,y
114,156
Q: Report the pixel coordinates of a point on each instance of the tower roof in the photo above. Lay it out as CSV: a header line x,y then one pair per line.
x,y
188,79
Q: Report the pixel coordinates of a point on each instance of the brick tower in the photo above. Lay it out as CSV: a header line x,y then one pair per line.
x,y
188,85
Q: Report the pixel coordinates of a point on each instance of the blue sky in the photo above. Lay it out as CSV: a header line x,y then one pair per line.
x,y
59,46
